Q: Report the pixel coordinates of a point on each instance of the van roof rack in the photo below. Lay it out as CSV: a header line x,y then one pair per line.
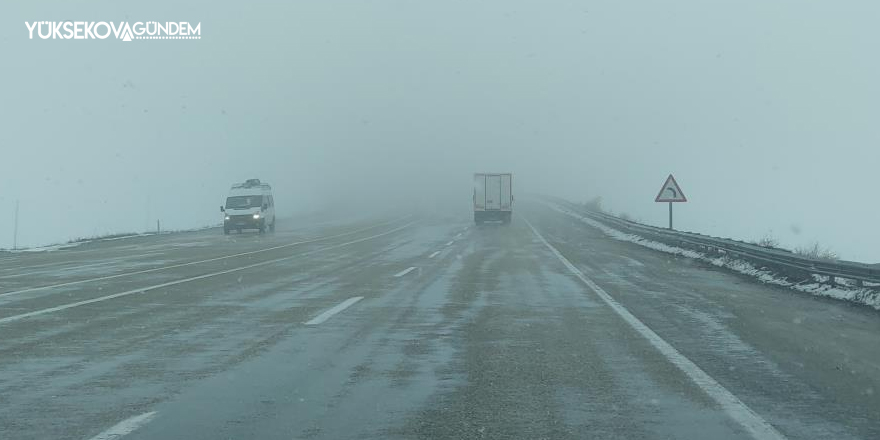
x,y
251,183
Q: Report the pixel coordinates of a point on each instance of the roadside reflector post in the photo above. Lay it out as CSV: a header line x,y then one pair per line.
x,y
15,233
670,192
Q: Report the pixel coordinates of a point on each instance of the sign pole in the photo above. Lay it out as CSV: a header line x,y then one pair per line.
x,y
15,234
671,193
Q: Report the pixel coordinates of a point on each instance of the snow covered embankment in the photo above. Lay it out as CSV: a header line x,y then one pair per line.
x,y
863,296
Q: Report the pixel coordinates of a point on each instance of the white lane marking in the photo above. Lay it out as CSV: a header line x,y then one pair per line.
x,y
756,426
336,309
173,266
405,271
632,261
125,427
434,254
450,243
459,235
186,280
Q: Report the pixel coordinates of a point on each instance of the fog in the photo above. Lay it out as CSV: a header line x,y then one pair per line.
x,y
765,113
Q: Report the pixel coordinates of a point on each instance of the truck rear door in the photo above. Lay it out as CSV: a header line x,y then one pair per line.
x,y
505,192
493,192
479,192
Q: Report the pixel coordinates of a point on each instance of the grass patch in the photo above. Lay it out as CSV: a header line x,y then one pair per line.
x,y
817,251
767,241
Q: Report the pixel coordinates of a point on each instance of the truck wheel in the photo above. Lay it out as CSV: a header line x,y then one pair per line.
x,y
263,227
506,218
272,226
225,231
478,219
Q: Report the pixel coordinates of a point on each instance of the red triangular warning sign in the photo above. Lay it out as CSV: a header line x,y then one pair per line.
x,y
670,192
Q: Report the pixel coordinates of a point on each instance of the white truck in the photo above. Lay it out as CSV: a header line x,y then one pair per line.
x,y
493,197
249,205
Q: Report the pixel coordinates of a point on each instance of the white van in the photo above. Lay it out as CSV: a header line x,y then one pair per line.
x,y
249,205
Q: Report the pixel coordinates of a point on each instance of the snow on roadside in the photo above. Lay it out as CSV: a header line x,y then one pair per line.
x,y
54,247
863,296
73,244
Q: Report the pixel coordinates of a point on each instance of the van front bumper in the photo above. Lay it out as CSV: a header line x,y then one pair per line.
x,y
243,222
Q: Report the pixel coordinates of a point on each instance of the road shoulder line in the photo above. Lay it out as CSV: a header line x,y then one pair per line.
x,y
754,424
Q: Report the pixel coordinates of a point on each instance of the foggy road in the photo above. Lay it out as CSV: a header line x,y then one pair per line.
x,y
414,326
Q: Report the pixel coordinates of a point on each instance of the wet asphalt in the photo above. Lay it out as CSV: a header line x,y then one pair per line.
x,y
489,337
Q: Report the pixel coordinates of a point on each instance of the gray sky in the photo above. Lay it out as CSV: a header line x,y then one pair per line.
x,y
766,112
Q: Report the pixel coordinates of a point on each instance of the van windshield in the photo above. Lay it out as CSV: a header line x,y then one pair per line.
x,y
239,202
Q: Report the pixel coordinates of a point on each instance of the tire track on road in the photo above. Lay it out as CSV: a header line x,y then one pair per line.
x,y
14,318
191,263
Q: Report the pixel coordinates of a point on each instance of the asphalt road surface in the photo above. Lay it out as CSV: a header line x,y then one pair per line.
x,y
416,326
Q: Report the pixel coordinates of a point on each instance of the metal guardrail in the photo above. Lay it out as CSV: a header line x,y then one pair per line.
x,y
780,260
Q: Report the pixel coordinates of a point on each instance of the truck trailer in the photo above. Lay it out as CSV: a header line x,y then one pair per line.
x,y
493,197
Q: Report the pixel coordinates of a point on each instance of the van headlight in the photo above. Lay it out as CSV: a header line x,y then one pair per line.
x,y
227,218
256,216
